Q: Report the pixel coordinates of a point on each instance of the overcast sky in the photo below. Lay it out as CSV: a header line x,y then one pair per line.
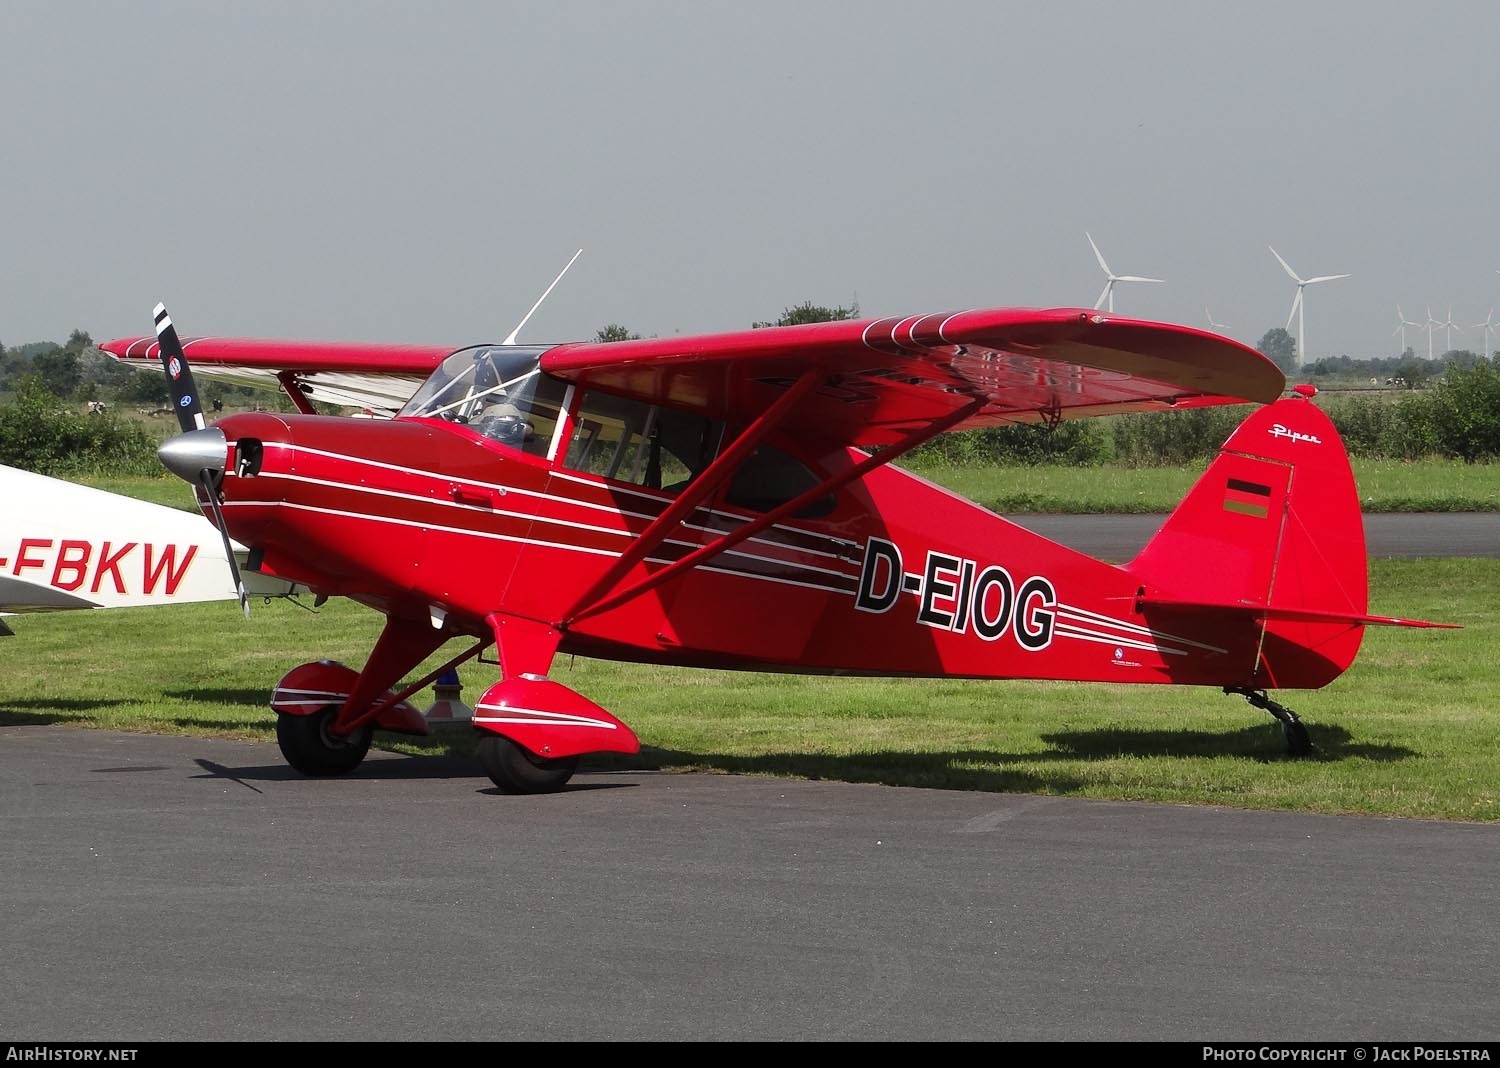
x,y
420,172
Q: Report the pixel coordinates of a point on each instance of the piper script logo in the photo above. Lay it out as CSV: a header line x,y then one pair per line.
x,y
1279,431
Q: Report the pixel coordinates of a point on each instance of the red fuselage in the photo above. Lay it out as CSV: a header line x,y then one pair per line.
x,y
428,520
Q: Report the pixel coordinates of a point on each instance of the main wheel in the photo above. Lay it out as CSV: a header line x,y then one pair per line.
x,y
310,745
516,770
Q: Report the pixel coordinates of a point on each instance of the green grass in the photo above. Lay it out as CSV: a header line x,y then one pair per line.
x,y
165,489
1384,486
1428,486
1413,729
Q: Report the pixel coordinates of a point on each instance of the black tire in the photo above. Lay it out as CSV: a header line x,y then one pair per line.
x,y
516,770
1298,742
310,746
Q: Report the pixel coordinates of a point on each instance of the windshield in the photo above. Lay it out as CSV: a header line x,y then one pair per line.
x,y
499,391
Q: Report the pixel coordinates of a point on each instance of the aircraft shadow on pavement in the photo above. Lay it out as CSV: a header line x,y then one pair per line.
x,y
978,770
422,767
941,770
991,770
398,767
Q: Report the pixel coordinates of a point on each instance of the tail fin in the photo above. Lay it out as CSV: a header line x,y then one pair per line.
x,y
1272,530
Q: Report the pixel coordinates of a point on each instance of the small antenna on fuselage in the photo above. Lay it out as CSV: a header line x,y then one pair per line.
x,y
511,340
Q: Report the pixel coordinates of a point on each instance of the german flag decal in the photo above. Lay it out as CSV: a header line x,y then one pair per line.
x,y
1247,498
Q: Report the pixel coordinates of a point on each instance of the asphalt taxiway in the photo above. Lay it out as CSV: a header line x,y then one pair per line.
x,y
1117,538
181,888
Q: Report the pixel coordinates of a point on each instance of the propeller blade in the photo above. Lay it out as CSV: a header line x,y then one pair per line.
x,y
1100,302
206,479
1286,265
179,379
1137,278
189,449
1296,303
1327,278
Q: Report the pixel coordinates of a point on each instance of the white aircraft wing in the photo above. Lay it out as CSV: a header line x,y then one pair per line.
x,y
65,546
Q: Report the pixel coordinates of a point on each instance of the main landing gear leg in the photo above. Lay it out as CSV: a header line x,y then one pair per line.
x,y
1298,744
534,730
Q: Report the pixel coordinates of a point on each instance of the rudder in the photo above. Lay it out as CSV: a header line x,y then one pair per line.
x,y
1274,524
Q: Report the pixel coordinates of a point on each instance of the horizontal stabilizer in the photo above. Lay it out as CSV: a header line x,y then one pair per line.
x,y
1263,612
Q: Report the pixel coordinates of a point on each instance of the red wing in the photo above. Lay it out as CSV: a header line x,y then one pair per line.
x,y
886,377
379,377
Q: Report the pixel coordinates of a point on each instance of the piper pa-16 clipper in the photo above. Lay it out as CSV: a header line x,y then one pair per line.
x,y
729,501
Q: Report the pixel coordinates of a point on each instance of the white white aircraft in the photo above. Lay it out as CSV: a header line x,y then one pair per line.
x,y
66,546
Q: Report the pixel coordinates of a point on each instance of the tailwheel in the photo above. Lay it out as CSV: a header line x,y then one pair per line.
x,y
516,770
1293,730
311,746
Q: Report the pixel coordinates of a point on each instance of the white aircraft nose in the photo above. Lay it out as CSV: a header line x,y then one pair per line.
x,y
188,455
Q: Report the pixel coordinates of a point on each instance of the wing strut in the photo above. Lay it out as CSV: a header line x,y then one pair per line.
x,y
584,609
293,389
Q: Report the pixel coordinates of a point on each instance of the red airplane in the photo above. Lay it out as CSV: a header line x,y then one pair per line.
x,y
730,501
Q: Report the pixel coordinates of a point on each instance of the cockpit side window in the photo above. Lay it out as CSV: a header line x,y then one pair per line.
x,y
630,441
498,391
660,448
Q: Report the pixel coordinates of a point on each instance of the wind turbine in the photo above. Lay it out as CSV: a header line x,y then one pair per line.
x,y
1109,286
1431,325
1297,306
1451,326
1489,324
1402,322
1211,324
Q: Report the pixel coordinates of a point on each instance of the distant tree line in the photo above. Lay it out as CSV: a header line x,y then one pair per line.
x,y
40,432
1457,416
80,372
